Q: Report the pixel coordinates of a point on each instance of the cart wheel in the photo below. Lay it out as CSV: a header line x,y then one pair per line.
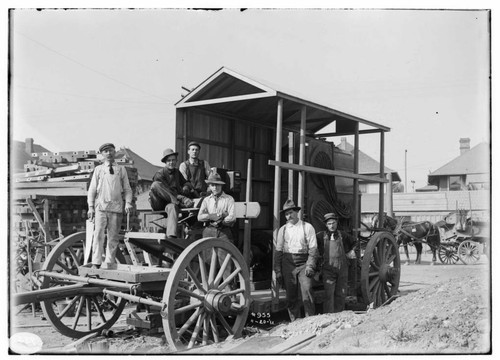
x,y
207,298
468,251
380,269
86,312
448,254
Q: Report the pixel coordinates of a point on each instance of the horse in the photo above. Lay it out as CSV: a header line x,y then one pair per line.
x,y
412,233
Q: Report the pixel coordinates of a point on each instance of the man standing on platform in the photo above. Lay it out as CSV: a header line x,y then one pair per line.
x,y
168,191
335,247
105,202
195,171
295,257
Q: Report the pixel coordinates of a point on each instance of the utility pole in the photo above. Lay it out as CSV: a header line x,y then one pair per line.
x,y
406,186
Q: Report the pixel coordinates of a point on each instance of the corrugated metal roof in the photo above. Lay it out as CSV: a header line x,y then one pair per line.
x,y
474,161
232,94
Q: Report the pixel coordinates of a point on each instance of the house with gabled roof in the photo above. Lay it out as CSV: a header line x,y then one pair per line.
x,y
468,171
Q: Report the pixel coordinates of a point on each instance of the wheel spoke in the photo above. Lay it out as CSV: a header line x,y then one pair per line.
x,y
191,294
195,280
229,278
215,331
189,321
89,313
187,308
225,324
99,309
66,268
78,313
213,264
206,328
203,271
67,307
75,258
222,269
196,331
373,283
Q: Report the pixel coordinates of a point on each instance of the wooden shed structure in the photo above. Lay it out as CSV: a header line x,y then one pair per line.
x,y
236,118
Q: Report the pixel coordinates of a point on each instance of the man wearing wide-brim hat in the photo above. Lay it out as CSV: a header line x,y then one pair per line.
x,y
295,260
335,248
105,200
195,170
218,214
168,191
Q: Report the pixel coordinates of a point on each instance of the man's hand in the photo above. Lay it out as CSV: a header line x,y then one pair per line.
x,y
128,208
91,213
309,272
351,255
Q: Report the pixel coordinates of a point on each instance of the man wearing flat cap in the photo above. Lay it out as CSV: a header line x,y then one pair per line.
x,y
335,247
166,192
105,201
195,171
218,213
295,260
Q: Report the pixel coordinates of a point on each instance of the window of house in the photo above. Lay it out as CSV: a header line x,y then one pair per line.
x,y
455,183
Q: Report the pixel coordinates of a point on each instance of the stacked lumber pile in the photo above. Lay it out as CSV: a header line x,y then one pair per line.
x,y
55,170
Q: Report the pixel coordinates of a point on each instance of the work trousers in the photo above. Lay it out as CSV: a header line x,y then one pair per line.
x,y
298,286
162,198
110,221
223,233
335,284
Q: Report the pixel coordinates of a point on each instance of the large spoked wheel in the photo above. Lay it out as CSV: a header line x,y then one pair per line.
x,y
468,252
82,311
380,269
448,254
207,295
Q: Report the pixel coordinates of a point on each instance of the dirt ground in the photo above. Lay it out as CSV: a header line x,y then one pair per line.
x,y
442,309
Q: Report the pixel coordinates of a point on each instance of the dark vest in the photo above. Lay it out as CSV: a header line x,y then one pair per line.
x,y
196,175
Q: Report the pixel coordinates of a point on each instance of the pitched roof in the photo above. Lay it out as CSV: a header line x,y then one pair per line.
x,y
233,94
474,161
145,170
19,156
370,166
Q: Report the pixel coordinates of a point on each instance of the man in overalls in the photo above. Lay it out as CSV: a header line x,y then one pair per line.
x,y
195,171
105,202
295,260
335,247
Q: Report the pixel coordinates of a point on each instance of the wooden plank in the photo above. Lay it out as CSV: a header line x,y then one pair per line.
x,y
320,171
69,178
290,343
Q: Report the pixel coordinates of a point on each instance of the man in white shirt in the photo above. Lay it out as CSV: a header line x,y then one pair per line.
x,y
295,257
105,202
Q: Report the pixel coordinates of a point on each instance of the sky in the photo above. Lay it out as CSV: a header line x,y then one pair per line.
x,y
83,77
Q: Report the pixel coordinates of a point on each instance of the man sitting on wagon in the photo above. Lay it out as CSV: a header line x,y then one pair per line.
x,y
195,170
168,191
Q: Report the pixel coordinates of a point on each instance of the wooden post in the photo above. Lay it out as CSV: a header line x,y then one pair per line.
x,y
277,197
30,263
247,232
381,185
46,212
291,150
356,204
390,206
302,156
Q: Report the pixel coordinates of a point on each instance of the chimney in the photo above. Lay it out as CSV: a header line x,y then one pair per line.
x,y
464,145
343,144
28,147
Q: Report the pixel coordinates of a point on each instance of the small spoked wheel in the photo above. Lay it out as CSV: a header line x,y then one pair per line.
x,y
448,254
207,295
468,252
380,269
77,309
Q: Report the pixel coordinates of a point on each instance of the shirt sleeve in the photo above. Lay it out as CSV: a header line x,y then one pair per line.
x,y
203,213
230,219
280,241
126,186
93,188
182,169
158,176
311,236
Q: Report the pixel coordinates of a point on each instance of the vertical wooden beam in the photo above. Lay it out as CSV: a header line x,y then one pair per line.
x,y
302,156
277,197
291,150
381,185
247,234
184,131
390,202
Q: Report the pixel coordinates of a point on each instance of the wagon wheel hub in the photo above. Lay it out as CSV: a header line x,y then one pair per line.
x,y
216,300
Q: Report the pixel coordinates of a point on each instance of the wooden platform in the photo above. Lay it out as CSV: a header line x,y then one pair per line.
x,y
127,273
